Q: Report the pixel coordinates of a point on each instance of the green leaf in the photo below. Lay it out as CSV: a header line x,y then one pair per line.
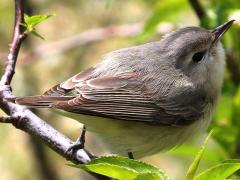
x,y
123,168
148,176
111,170
220,171
31,21
193,167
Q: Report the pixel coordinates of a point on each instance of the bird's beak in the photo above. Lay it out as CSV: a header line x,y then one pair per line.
x,y
220,30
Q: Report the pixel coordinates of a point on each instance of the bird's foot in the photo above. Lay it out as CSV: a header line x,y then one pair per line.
x,y
79,144
130,155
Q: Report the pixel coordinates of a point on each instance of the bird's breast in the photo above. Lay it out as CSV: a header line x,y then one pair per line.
x,y
140,138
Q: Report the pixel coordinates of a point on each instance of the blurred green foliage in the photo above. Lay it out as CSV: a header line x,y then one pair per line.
x,y
36,74
163,12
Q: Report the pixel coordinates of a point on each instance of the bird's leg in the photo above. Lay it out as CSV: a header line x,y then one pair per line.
x,y
130,155
79,144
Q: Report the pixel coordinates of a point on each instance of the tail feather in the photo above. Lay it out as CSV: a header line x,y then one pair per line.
x,y
40,101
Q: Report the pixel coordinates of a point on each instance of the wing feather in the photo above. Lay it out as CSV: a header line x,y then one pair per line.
x,y
124,98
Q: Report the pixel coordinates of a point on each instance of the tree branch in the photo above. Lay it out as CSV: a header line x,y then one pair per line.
x,y
22,118
8,119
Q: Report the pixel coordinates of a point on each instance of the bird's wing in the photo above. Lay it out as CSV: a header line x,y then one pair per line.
x,y
123,97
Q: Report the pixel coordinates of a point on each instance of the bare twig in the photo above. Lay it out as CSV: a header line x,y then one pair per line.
x,y
26,120
23,118
198,8
9,119
18,36
88,36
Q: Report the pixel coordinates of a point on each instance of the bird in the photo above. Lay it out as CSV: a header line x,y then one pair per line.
x,y
146,98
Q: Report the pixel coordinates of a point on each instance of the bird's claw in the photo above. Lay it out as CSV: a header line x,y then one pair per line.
x,y
79,144
130,155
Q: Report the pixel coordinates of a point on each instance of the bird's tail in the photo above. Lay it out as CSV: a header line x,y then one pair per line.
x,y
39,101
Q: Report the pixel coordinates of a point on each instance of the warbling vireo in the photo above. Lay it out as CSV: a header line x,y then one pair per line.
x,y
149,97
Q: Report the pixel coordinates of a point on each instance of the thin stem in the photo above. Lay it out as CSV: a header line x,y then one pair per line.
x,y
18,37
197,7
23,118
26,120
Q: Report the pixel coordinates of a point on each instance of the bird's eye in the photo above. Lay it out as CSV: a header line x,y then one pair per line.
x,y
198,56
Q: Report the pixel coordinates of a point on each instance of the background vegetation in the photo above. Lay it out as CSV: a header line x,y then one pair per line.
x,y
75,42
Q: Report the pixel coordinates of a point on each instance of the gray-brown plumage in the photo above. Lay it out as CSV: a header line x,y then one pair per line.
x,y
153,93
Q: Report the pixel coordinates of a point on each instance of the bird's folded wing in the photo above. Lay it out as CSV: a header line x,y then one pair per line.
x,y
122,97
